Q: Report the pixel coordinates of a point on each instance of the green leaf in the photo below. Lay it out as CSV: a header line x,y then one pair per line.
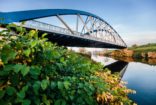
x,y
57,102
64,102
25,70
53,85
31,33
25,88
44,84
45,100
17,68
36,87
10,90
43,35
34,43
7,53
2,93
66,84
35,70
60,102
60,85
19,29
21,94
37,101
26,102
27,52
8,67
19,45
62,59
80,85
71,97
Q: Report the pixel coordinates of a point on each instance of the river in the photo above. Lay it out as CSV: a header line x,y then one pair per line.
x,y
139,76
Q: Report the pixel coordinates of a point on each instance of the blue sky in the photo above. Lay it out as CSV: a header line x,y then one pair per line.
x,y
134,20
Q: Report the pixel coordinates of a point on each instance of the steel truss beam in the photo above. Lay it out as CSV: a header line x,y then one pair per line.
x,y
94,27
65,24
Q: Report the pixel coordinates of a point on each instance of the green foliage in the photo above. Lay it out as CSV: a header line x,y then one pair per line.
x,y
137,55
151,47
7,53
37,72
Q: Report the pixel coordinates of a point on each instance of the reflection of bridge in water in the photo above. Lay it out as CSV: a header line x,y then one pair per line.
x,y
91,30
118,66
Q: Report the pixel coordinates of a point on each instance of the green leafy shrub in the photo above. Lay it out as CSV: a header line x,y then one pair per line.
x,y
37,72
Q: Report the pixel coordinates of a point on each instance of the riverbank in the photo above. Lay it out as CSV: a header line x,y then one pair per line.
x,y
143,53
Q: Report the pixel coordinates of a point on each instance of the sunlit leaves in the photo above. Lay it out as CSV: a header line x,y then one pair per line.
x,y
31,33
44,35
66,84
7,53
27,52
34,43
34,71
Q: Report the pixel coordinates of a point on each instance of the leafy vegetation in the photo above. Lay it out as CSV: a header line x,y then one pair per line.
x,y
37,72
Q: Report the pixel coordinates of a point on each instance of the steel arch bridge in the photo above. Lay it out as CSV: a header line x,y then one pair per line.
x,y
93,32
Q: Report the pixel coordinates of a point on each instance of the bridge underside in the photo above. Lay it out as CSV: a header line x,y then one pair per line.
x,y
73,41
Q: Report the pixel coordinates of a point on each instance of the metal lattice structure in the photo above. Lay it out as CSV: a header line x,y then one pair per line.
x,y
94,32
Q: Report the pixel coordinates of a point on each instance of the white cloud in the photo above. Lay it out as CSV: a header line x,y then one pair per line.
x,y
133,35
140,38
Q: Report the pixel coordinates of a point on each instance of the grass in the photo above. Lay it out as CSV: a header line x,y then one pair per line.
x,y
144,48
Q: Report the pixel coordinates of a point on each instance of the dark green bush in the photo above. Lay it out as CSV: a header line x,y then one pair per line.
x,y
37,72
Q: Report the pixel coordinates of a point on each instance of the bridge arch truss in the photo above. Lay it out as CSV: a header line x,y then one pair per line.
x,y
92,27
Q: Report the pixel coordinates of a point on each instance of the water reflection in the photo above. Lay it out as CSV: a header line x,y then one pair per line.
x,y
118,66
140,77
148,61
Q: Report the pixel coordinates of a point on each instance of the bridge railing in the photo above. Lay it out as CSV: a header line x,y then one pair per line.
x,y
55,29
48,27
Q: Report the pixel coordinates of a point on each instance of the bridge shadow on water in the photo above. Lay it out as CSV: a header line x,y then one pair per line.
x,y
118,66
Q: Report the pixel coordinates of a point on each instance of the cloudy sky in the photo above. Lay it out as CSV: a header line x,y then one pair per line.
x,y
134,20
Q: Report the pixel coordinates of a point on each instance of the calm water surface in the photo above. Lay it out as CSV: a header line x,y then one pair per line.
x,y
140,77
